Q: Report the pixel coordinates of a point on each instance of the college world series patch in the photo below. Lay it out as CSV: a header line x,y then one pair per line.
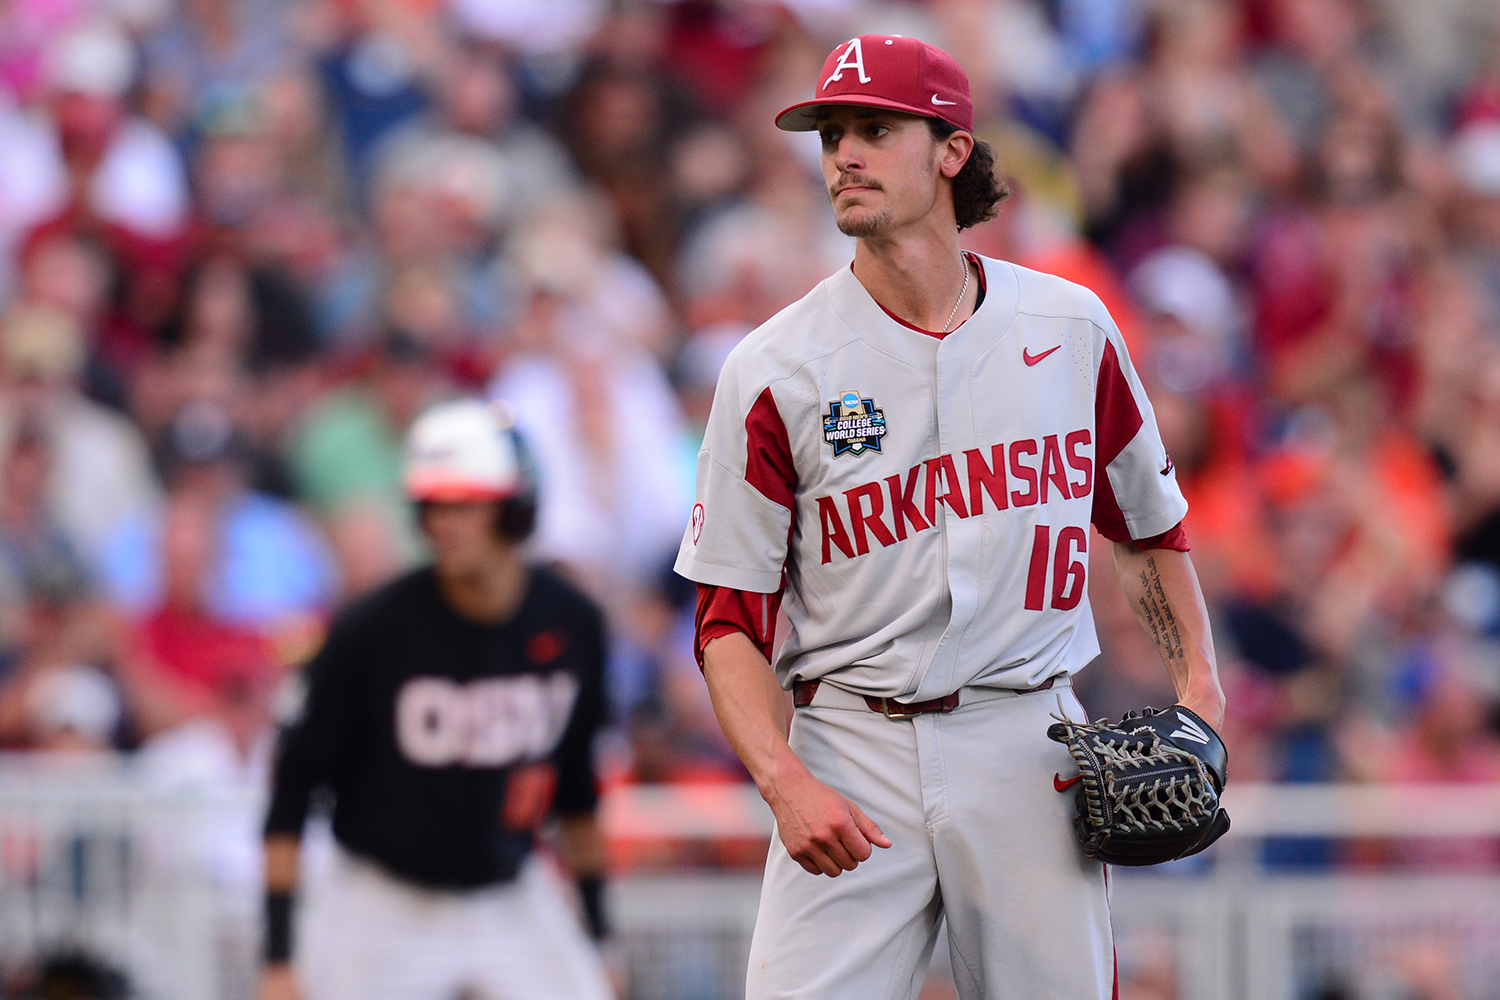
x,y
853,424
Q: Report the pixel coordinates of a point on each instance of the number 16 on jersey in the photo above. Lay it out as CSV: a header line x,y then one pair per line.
x,y
1069,574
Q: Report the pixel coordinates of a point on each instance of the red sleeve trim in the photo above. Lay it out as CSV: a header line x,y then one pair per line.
x,y
722,610
768,452
1173,538
1117,420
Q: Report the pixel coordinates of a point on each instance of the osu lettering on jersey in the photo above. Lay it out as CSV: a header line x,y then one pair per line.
x,y
926,501
414,716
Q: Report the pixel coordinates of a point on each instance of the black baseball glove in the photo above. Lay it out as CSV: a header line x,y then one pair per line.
x,y
1148,787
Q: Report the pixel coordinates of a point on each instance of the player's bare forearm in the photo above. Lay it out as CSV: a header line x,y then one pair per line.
x,y
283,861
283,852
1162,589
580,841
750,706
822,831
581,844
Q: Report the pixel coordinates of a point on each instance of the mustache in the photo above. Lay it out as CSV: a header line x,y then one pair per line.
x,y
854,180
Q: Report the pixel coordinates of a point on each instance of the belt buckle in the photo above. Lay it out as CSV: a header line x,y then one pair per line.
x,y
899,712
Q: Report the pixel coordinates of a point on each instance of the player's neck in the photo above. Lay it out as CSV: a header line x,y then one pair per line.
x,y
490,591
917,276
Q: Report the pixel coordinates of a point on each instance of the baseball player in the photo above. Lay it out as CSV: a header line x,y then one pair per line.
x,y
444,713
907,461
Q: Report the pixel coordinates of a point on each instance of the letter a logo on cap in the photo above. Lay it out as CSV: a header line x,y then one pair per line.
x,y
858,63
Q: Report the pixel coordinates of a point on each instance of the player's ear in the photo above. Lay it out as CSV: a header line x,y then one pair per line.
x,y
955,153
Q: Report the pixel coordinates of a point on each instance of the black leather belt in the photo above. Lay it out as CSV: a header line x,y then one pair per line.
x,y
803,693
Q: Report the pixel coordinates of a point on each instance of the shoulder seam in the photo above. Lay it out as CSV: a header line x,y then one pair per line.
x,y
761,496
804,363
854,337
1085,319
850,338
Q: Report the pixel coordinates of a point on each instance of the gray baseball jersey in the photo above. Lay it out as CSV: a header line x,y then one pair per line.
x,y
925,501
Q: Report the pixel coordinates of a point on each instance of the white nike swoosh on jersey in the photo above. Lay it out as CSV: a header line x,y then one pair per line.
x,y
936,101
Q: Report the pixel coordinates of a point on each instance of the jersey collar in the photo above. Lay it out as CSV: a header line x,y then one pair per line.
x,y
972,258
864,316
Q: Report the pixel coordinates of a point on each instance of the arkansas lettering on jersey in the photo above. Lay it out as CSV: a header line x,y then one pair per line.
x,y
865,506
927,501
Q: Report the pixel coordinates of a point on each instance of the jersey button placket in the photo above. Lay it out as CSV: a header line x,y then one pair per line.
x,y
951,369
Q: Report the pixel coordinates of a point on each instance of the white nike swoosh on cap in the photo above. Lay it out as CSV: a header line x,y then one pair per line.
x,y
936,101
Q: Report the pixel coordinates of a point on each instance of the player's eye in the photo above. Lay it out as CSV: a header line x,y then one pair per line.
x,y
876,130
830,136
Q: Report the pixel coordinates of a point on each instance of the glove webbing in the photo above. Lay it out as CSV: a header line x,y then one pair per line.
x,y
1136,808
1178,796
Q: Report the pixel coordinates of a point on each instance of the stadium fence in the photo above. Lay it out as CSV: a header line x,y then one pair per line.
x,y
161,882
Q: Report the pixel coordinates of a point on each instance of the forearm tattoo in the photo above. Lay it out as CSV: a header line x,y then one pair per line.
x,y
1156,613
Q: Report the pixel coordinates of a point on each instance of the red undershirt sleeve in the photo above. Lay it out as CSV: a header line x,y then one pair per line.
x,y
722,610
1173,538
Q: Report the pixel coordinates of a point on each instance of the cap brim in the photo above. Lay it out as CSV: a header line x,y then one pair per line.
x,y
804,117
454,491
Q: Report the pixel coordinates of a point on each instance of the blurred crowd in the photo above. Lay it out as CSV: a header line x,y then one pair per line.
x,y
244,242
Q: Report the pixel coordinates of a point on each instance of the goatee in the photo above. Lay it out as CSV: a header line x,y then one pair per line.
x,y
865,226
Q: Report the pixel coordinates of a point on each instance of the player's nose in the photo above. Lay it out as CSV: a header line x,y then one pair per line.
x,y
848,155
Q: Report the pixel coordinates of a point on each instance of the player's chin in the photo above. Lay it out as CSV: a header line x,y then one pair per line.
x,y
452,563
861,221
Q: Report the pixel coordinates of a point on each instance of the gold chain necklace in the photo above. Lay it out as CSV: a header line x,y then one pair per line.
x,y
961,291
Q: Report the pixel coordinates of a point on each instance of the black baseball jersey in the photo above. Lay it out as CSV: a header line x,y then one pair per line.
x,y
413,717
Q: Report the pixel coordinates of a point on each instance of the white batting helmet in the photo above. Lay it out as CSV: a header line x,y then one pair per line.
x,y
466,449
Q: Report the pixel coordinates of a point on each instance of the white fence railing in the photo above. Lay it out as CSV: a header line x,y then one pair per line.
x,y
1259,811
160,883
92,860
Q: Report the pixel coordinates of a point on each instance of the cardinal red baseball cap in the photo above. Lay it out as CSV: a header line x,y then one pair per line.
x,y
888,71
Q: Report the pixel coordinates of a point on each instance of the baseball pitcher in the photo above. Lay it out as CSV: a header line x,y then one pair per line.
x,y
908,461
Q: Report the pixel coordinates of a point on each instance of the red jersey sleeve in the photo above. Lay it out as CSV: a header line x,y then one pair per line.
x,y
769,470
1136,496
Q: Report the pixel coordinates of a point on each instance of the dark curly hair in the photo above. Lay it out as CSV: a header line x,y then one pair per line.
x,y
977,189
